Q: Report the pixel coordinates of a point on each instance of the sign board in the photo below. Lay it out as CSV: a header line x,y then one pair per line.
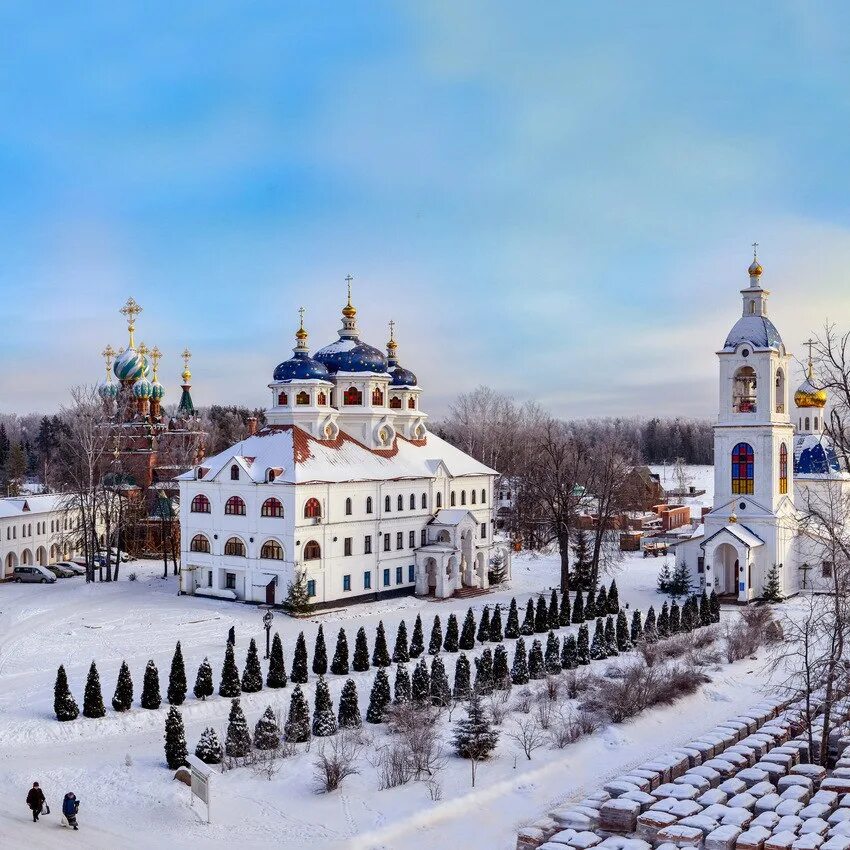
x,y
201,779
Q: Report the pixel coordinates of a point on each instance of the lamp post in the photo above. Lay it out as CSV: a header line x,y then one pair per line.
x,y
267,622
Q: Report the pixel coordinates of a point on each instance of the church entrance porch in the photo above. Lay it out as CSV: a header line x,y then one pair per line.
x,y
729,554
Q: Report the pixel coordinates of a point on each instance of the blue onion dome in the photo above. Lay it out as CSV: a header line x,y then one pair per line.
x,y
142,388
759,331
108,391
349,353
814,454
129,365
301,367
401,377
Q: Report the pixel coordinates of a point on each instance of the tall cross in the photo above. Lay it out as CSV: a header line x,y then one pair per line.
x,y
392,327
755,250
130,310
348,279
301,311
108,354
187,375
156,354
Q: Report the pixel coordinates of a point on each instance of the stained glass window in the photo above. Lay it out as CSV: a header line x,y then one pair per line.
x,y
743,469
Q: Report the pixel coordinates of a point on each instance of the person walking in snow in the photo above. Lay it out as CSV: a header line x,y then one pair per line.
x,y
35,800
70,807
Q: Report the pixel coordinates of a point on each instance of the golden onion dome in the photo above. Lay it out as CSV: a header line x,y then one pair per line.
x,y
755,268
808,395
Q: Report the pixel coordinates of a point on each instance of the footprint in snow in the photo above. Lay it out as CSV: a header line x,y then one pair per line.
x,y
717,696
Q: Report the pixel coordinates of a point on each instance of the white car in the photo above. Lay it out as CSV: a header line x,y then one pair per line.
x,y
76,569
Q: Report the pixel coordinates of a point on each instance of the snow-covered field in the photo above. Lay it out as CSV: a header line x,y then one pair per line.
x,y
133,802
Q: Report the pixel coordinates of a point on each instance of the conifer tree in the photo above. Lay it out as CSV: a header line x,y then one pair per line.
x,y
441,693
349,707
474,737
613,598
704,610
583,644
610,637
252,676
420,683
401,652
772,591
675,618
122,700
541,616
266,731
299,661
360,661
324,719
519,668
401,686
276,677
320,653
636,632
483,634
436,642
380,654
582,555
379,699
624,644
687,621
536,665
461,687
229,686
209,747
597,646
665,578
237,743
650,627
569,654
92,697
663,626
495,633
682,582
527,627
231,636
417,640
177,678
501,669
150,687
297,728
578,608
451,641
714,607
339,665
512,623
554,612
204,680
484,673
602,602
175,740
552,656
590,605
467,633
564,615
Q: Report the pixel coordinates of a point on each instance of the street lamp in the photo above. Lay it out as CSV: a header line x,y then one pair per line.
x,y
267,622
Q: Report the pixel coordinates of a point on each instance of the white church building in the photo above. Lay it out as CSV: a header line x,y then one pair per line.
x,y
769,458
344,485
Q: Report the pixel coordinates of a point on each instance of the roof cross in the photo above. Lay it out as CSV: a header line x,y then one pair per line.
x,y
301,311
755,250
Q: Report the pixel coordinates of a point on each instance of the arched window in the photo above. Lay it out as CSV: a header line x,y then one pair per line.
x,y
281,398
386,504
303,397
348,507
463,497
235,548
783,468
744,390
743,469
271,551
780,391
199,544
400,503
816,423
472,497
271,507
234,472
368,504
312,551
439,500
424,501
200,504
270,476
377,397
312,509
411,403
452,499
808,422
395,402
483,496
412,502
234,506
322,399
352,396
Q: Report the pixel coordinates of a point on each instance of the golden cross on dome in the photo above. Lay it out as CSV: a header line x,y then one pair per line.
x,y
186,355
156,354
301,312
108,354
130,311
143,349
392,327
348,279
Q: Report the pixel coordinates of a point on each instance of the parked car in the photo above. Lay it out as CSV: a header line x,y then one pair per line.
x,y
60,572
76,569
33,574
113,554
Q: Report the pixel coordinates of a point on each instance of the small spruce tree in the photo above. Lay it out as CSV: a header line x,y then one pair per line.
x,y
417,639
675,618
229,686
122,700
441,694
380,654
541,616
297,600
420,683
360,660
467,633
320,653
564,615
610,637
682,581
252,676
204,681
687,621
451,641
636,632
276,677
93,698
348,716
339,665
519,668
297,728
554,611
401,651
597,646
484,673
512,623
773,587
401,686
177,686
461,688
474,737
209,747
150,687
602,602
379,698
266,731
552,656
495,633
569,654
665,578
527,627
663,626
237,744
501,669
536,664
624,643
613,598
175,740
714,607
650,627
590,605
583,644
324,719
704,610
435,644
299,673
578,608
231,635
483,634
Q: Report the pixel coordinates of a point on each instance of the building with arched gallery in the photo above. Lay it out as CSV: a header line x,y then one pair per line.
x,y
343,486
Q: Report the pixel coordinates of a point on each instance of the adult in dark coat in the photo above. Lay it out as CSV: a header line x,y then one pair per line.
x,y
70,805
35,800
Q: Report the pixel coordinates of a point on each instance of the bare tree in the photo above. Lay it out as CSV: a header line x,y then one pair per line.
x,y
335,761
527,735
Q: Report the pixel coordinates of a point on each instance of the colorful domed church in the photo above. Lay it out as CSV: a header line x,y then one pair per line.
x,y
769,464
149,448
344,486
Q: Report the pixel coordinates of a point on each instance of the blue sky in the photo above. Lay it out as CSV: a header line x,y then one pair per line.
x,y
556,199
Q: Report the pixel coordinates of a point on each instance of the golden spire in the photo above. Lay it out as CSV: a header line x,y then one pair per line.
x,y
301,334
755,269
108,354
156,354
187,356
349,311
392,345
130,310
143,352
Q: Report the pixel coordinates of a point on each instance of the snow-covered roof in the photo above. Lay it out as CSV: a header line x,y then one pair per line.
x,y
759,331
741,532
450,516
16,506
304,459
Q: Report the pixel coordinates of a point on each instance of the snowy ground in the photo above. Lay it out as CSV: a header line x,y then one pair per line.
x,y
139,805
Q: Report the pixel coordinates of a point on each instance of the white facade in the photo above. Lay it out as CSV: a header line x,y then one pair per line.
x,y
344,485
33,530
